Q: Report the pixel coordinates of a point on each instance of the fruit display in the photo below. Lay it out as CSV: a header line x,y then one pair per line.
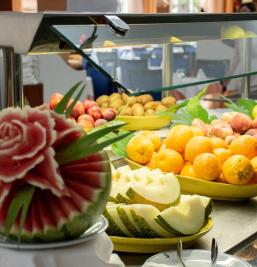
x,y
87,114
143,105
212,152
55,179
147,203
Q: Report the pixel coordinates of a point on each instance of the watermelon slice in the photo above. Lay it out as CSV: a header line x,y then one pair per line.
x,y
67,198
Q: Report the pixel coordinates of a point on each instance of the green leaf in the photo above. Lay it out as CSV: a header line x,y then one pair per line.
x,y
87,145
19,205
72,105
192,109
233,106
247,104
120,148
60,108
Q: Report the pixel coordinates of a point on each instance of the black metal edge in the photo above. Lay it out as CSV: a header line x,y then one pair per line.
x,y
242,244
61,18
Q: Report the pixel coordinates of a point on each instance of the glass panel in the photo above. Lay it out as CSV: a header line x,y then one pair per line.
x,y
158,57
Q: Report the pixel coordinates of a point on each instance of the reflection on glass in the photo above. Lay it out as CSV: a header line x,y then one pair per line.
x,y
200,53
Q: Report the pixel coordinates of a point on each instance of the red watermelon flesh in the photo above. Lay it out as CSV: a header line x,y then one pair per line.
x,y
49,215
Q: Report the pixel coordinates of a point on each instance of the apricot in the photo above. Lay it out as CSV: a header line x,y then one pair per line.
x,y
207,167
240,123
86,124
169,160
229,139
89,104
95,112
254,124
237,170
221,129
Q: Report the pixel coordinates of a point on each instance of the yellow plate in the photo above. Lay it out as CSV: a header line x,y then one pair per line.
x,y
214,190
153,245
135,123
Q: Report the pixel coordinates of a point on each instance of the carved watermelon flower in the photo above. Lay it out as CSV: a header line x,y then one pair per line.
x,y
53,181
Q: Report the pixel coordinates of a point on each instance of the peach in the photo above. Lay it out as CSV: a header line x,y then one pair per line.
x,y
89,104
86,117
95,112
99,122
228,116
78,110
254,124
230,138
86,124
109,114
55,100
200,124
240,123
221,129
252,132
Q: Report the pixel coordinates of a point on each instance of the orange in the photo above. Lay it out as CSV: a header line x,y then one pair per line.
x,y
245,145
140,149
154,137
178,137
237,170
218,142
197,131
222,154
254,164
188,170
206,167
169,160
196,146
151,163
221,179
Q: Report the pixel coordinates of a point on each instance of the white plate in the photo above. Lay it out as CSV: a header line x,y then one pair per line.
x,y
97,228
194,258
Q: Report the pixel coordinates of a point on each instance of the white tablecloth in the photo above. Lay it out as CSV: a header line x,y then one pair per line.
x,y
94,253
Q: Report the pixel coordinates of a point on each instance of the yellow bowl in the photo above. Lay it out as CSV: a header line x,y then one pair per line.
x,y
214,190
135,123
153,245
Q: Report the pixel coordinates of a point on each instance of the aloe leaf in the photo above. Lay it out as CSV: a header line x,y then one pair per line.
x,y
72,105
247,104
25,208
60,108
79,152
22,197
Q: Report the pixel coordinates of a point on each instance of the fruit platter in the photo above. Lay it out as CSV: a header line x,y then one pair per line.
x,y
147,213
215,158
138,112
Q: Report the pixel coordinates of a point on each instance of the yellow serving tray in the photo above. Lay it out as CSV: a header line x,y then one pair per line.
x,y
214,190
153,245
136,123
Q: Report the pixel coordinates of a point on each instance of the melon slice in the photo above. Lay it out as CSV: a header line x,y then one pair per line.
x,y
162,195
143,216
124,212
206,201
116,226
186,218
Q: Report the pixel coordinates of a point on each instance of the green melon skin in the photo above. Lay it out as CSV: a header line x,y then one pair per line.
x,y
143,216
116,226
120,198
127,219
187,218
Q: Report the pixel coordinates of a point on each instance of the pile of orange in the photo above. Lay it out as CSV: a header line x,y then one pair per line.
x,y
188,152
